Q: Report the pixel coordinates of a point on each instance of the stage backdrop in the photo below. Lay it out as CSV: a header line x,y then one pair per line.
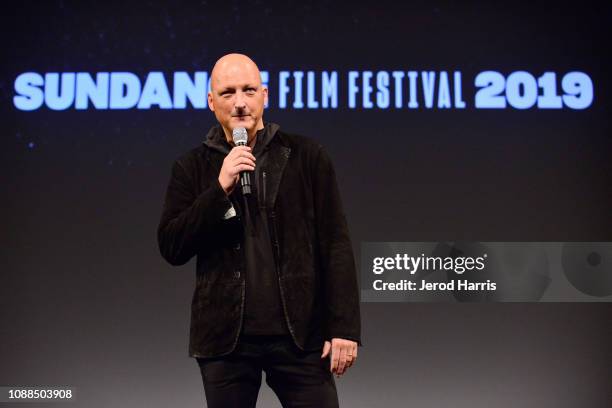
x,y
445,121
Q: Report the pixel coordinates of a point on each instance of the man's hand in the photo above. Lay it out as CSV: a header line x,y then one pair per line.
x,y
343,354
239,159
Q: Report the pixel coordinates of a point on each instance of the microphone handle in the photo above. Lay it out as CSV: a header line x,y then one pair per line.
x,y
245,182
245,179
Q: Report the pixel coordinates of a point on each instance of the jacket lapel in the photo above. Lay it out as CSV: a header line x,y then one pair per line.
x,y
215,159
276,163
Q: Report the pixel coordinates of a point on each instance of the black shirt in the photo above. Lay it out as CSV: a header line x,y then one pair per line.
x,y
263,309
263,313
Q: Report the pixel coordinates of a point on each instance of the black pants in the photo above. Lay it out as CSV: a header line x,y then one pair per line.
x,y
298,378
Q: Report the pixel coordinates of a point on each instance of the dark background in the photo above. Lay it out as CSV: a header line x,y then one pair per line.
x,y
87,301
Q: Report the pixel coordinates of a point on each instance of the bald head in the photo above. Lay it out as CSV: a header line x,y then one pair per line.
x,y
236,95
232,65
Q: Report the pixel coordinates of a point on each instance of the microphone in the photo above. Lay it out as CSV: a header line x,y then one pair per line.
x,y
240,137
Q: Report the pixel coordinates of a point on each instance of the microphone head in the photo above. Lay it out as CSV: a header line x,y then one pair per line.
x,y
240,136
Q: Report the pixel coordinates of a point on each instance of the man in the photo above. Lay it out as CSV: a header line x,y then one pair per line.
x,y
276,287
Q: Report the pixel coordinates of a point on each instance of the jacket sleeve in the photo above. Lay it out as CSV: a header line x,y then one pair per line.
x,y
339,277
187,218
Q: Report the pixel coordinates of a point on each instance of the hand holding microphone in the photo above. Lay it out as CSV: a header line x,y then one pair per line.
x,y
238,164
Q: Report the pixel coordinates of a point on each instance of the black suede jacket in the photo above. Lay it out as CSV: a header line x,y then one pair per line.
x,y
312,247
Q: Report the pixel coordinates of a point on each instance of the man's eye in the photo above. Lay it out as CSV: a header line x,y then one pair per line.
x,y
250,91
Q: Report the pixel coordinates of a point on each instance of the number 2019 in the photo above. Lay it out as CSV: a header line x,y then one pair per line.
x,y
522,91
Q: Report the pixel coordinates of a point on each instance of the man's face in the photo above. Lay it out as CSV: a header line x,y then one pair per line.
x,y
237,96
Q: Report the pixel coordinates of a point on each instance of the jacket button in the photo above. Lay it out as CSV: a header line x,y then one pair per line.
x,y
237,246
236,274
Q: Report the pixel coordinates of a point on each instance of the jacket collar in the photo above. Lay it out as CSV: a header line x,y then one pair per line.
x,y
215,138
269,138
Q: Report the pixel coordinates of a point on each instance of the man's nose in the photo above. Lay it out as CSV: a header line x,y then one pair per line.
x,y
240,102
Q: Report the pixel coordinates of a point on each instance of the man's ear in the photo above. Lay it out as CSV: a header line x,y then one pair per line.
x,y
265,92
210,102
